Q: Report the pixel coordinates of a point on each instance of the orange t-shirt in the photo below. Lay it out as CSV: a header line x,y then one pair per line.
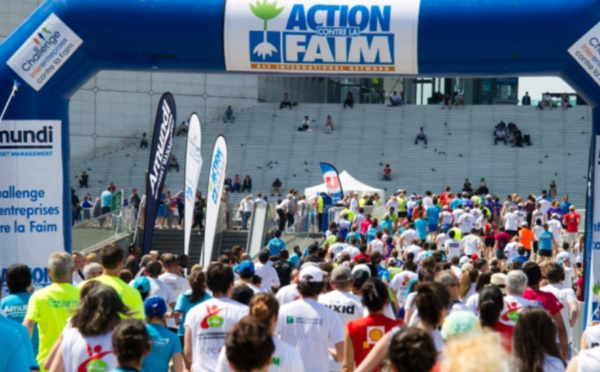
x,y
526,237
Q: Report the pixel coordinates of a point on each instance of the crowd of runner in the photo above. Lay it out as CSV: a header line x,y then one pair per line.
x,y
440,283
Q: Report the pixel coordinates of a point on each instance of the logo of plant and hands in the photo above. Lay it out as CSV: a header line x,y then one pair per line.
x,y
212,320
40,36
265,45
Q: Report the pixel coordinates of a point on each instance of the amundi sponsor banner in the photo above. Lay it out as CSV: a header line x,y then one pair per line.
x,y
312,36
44,52
31,196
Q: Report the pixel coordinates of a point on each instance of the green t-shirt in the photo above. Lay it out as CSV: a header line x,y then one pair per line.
x,y
394,271
129,295
402,205
50,308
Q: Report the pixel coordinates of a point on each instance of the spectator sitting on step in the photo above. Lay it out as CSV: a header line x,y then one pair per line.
x,y
512,128
228,115
227,185
247,184
421,136
387,173
500,135
276,187
144,141
483,189
329,125
501,125
173,163
286,101
83,180
237,184
446,101
182,129
460,98
349,101
304,127
517,139
547,101
395,99
564,101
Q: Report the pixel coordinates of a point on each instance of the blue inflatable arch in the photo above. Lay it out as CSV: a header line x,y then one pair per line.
x,y
64,43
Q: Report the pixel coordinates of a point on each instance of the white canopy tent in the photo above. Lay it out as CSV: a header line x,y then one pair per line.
x,y
349,184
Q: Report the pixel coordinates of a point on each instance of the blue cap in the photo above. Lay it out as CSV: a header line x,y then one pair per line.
x,y
246,267
155,307
142,284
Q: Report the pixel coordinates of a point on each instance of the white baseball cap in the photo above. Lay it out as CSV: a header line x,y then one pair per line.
x,y
311,274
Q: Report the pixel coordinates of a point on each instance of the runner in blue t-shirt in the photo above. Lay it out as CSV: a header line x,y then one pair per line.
x,y
165,345
18,280
433,218
276,245
546,243
421,227
190,298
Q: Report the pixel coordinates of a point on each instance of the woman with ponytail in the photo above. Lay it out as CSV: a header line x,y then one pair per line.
x,y
468,283
264,308
362,334
491,304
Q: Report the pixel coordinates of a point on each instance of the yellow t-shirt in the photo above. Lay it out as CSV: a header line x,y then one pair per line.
x,y
50,308
129,295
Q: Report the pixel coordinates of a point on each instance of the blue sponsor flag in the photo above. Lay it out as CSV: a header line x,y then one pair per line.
x,y
160,152
332,182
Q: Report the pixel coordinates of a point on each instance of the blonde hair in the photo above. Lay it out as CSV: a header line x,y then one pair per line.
x,y
475,353
264,306
92,257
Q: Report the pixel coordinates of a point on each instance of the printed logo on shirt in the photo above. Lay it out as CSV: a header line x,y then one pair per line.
x,y
374,334
512,314
212,320
62,303
95,362
289,319
342,309
276,361
300,320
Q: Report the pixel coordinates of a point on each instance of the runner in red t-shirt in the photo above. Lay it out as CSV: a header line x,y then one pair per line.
x,y
362,334
571,220
489,235
547,300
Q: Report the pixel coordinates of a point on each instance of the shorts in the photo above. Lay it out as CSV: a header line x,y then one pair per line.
x,y
432,228
489,242
105,210
545,252
403,214
500,254
571,237
536,246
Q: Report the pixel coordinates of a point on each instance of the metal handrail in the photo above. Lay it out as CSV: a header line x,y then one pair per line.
x,y
103,229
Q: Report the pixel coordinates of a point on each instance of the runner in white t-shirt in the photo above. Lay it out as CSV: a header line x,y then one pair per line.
x,y
264,308
207,324
446,217
570,311
466,221
309,326
287,294
177,283
270,279
471,243
347,305
400,284
452,246
511,221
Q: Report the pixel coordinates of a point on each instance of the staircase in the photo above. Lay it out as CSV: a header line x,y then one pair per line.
x,y
232,238
171,241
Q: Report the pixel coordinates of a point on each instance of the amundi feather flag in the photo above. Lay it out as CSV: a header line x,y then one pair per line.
x,y
162,146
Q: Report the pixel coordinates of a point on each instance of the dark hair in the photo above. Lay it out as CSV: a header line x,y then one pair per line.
x,y
18,278
310,289
154,268
130,341
126,275
479,263
111,256
533,272
374,294
554,272
534,338
197,281
412,350
263,255
98,312
409,265
249,345
431,299
482,280
425,275
242,294
491,304
219,277
264,306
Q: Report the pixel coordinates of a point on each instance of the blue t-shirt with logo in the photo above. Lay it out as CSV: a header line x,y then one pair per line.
x,y
387,223
15,308
546,240
433,214
294,259
276,245
420,226
184,306
371,233
456,202
165,344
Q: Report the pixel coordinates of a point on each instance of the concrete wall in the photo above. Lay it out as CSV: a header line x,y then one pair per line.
x,y
115,107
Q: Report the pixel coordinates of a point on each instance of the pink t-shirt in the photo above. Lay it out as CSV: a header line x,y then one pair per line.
x,y
364,226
